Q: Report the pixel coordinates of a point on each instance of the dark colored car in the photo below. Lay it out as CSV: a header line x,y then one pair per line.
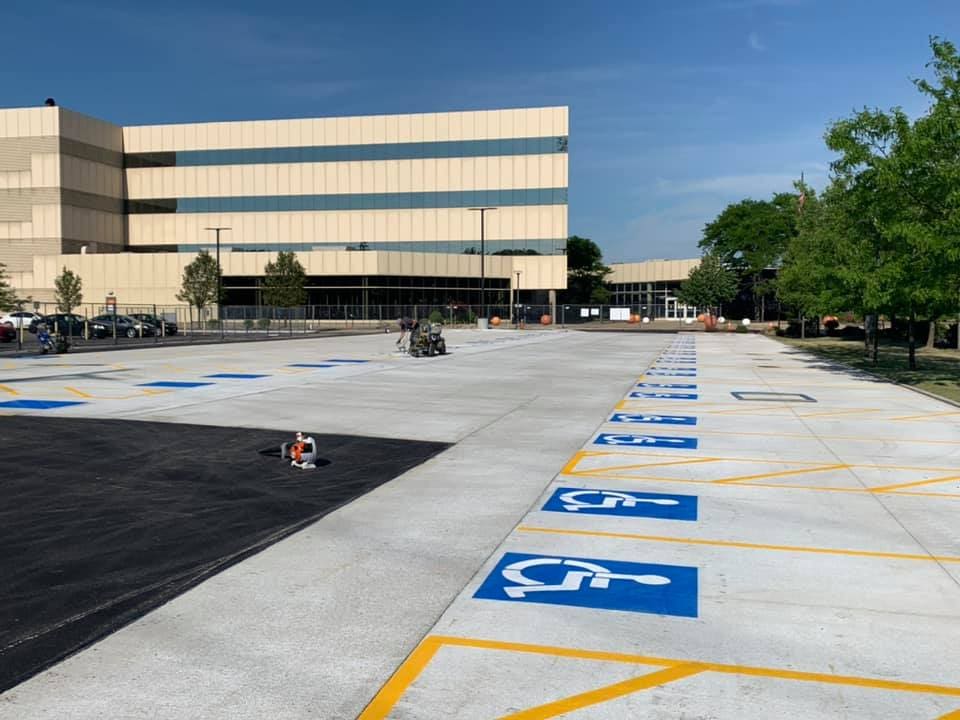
x,y
71,325
8,333
163,326
126,326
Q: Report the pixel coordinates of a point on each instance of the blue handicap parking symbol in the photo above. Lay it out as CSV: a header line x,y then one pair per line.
x,y
675,386
311,365
652,419
174,384
672,373
590,583
24,404
623,439
664,395
237,376
582,501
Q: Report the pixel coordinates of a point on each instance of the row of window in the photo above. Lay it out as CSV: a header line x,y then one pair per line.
x,y
355,201
345,153
550,246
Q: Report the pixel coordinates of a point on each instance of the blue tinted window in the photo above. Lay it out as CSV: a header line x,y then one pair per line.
x,y
342,153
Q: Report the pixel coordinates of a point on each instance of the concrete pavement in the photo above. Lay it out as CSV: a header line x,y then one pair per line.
x,y
778,540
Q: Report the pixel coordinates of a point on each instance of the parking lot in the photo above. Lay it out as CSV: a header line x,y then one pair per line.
x,y
624,525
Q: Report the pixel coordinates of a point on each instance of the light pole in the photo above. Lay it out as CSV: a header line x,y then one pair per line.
x,y
516,319
483,279
217,230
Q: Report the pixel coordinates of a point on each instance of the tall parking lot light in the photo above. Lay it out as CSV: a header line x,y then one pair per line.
x,y
483,279
217,230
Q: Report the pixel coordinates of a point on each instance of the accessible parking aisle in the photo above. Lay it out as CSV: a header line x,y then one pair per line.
x,y
726,545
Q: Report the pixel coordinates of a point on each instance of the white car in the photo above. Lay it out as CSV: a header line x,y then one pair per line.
x,y
19,319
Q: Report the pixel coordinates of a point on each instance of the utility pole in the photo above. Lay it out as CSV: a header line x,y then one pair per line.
x,y
516,319
217,230
483,279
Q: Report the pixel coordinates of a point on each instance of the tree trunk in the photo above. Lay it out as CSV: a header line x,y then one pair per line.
x,y
803,328
756,297
912,342
932,335
867,331
876,340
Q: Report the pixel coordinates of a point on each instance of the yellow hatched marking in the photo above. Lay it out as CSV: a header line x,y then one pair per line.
x,y
742,545
781,473
927,416
609,692
408,672
8,389
766,461
955,715
889,488
78,393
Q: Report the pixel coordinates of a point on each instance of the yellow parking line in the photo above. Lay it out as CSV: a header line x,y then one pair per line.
x,y
8,389
955,715
78,393
926,416
772,486
411,668
830,413
889,488
434,642
781,473
609,692
767,461
742,545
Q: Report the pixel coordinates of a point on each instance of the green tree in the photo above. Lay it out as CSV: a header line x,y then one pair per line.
x,y
8,297
283,281
709,285
585,270
900,180
200,282
68,291
750,237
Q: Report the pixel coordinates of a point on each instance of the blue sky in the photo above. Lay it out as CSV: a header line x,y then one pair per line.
x,y
677,106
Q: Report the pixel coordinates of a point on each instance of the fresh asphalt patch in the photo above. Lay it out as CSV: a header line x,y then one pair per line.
x,y
104,520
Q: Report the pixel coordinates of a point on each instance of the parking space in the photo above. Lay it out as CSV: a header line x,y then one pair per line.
x,y
748,533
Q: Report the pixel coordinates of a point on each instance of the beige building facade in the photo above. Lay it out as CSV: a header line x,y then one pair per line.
x,y
364,202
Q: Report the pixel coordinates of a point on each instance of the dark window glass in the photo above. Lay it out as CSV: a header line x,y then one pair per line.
x,y
342,153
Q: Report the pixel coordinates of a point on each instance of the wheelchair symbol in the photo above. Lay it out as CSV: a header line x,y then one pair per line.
x,y
596,576
611,499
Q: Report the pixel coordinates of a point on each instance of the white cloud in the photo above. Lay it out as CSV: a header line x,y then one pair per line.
x,y
753,39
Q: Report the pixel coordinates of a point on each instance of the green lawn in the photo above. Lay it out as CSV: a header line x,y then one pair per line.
x,y
938,371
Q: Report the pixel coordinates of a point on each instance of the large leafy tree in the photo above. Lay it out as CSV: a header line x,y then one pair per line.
x,y
283,281
8,297
750,237
901,179
200,282
585,271
68,290
709,285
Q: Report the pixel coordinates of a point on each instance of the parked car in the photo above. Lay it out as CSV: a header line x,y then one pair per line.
x,y
163,326
70,324
8,333
126,326
19,318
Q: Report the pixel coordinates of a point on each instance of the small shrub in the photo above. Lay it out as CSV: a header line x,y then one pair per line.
x,y
741,329
436,317
263,323
248,324
213,324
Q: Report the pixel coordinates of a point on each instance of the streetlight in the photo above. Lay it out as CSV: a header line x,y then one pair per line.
x,y
217,230
483,280
516,319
